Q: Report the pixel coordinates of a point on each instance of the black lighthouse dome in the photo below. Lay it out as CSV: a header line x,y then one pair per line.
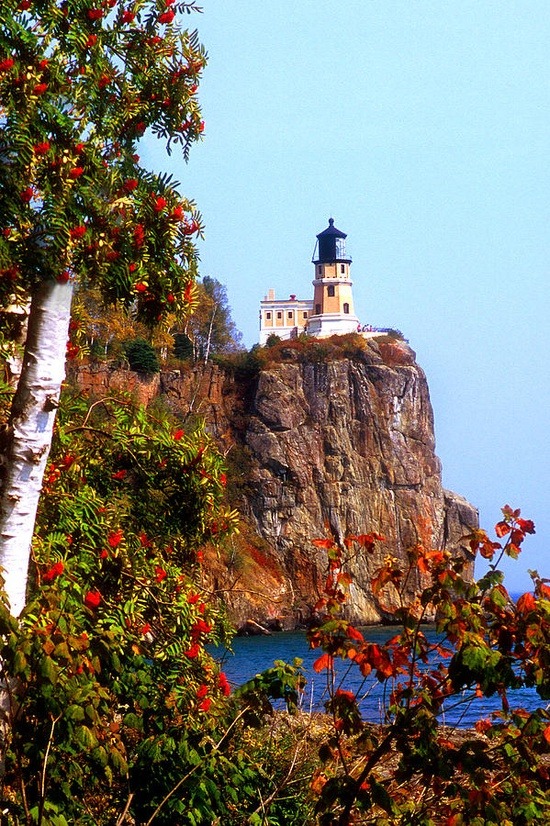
x,y
331,245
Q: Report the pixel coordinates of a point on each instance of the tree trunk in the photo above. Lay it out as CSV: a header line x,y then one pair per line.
x,y
209,339
30,432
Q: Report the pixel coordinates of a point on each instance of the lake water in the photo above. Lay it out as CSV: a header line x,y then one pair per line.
x,y
254,654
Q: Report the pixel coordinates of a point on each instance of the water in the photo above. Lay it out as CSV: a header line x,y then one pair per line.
x,y
254,654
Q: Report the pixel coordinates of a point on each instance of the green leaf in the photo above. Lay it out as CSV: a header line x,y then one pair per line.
x,y
382,798
133,721
118,761
62,650
19,662
49,670
75,712
86,737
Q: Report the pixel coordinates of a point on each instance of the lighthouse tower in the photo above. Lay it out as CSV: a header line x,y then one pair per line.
x,y
333,312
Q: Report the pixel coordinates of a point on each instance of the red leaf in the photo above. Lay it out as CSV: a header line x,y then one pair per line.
x,y
526,525
345,695
526,603
354,634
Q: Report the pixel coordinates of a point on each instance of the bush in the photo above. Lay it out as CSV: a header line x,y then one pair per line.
x,y
141,356
183,347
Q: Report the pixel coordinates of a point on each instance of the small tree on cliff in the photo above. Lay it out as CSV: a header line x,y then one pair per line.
x,y
211,328
80,82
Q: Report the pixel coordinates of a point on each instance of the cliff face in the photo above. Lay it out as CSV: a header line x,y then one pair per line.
x,y
344,445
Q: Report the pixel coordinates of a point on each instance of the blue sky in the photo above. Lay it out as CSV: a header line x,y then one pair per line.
x,y
422,127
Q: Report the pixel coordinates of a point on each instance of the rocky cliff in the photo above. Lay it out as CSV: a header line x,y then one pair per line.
x,y
342,442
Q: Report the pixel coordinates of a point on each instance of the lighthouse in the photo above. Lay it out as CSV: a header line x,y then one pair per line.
x,y
332,311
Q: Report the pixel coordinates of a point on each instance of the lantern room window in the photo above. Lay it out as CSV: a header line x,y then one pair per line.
x,y
340,248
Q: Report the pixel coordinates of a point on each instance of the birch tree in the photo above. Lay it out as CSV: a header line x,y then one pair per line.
x,y
81,81
211,328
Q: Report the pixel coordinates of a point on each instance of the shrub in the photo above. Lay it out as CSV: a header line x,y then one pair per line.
x,y
411,769
141,356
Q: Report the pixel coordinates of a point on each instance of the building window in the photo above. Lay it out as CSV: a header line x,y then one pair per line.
x,y
342,267
346,308
268,316
304,315
290,315
317,309
319,269
279,315
330,290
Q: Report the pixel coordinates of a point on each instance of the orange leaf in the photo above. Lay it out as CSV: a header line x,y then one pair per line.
x,y
546,734
422,565
323,543
382,578
502,528
324,661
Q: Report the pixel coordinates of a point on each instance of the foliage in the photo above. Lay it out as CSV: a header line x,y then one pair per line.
x,y
141,356
210,328
411,769
80,83
119,708
183,347
303,349
116,701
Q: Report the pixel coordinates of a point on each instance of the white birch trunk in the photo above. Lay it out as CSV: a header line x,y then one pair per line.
x,y
209,339
31,425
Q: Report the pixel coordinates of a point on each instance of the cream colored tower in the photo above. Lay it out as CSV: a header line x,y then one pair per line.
x,y
333,312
